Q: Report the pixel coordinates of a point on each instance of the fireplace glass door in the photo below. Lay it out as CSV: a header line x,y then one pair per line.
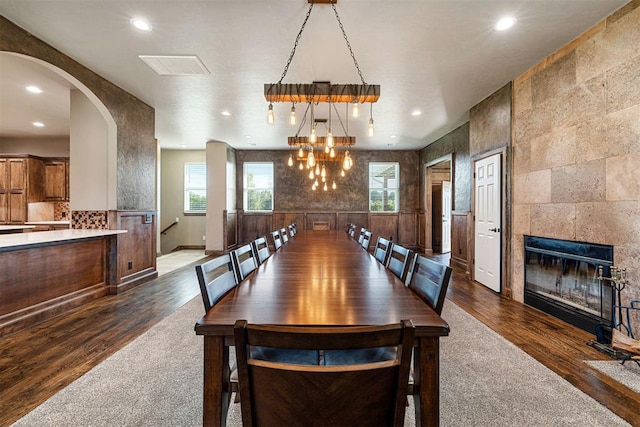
x,y
561,278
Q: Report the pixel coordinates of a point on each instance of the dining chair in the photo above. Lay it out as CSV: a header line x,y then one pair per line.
x,y
361,235
283,235
398,261
277,241
275,393
244,261
352,230
429,280
382,250
292,230
366,239
216,278
261,249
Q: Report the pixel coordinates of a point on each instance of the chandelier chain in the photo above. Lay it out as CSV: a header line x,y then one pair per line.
x,y
344,34
295,45
346,133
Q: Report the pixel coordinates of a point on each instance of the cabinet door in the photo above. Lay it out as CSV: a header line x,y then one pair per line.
x,y
17,207
17,193
55,181
4,192
17,175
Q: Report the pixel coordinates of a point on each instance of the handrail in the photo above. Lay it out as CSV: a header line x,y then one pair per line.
x,y
165,230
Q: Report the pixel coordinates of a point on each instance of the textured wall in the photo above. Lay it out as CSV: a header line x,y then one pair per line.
x,y
490,122
134,119
455,142
293,187
576,159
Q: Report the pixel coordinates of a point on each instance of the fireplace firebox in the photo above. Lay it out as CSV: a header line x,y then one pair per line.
x,y
561,279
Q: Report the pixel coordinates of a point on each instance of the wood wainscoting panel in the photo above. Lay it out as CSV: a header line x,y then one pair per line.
x,y
136,248
41,282
385,225
408,229
283,219
255,224
361,219
230,220
460,239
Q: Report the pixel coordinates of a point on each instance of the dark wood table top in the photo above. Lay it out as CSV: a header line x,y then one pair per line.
x,y
321,278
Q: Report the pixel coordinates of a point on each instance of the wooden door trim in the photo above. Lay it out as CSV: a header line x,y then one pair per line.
x,y
428,198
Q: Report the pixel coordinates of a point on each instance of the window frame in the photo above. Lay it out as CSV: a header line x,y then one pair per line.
x,y
245,189
396,189
188,188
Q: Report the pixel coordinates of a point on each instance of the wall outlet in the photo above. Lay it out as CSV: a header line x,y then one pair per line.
x,y
130,265
204,237
177,219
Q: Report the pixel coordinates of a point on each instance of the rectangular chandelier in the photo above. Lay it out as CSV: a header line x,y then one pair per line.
x,y
321,92
321,141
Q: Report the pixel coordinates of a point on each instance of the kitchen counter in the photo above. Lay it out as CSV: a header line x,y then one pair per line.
x,y
24,240
10,229
48,222
48,273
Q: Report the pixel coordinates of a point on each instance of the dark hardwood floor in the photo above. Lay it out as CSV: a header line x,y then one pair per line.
x,y
38,362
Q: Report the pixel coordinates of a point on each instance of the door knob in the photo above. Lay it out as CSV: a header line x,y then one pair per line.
x,y
495,229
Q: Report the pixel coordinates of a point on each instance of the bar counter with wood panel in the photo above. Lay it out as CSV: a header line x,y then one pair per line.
x,y
321,278
47,273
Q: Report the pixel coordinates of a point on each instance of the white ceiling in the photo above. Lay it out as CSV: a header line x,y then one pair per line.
x,y
437,56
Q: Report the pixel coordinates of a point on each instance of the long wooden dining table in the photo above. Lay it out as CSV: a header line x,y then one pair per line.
x,y
321,278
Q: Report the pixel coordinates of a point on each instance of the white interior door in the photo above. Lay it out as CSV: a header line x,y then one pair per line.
x,y
488,221
446,217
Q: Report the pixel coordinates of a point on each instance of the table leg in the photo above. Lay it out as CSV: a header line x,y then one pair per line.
x,y
216,381
427,379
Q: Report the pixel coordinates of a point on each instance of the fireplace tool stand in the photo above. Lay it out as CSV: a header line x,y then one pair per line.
x,y
617,339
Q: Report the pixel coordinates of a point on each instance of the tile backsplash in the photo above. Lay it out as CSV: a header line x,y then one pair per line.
x,y
90,220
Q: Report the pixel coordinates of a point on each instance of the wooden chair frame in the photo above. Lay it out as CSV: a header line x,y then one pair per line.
x,y
244,260
398,261
261,249
277,240
283,235
366,240
274,393
382,250
429,280
216,277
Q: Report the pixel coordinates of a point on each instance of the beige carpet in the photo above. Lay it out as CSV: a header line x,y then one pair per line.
x,y
157,381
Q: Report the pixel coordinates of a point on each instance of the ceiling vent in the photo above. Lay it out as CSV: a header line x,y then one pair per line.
x,y
175,65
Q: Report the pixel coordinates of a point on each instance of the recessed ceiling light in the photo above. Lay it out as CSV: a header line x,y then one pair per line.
x,y
416,112
505,23
251,144
225,113
141,24
38,124
34,89
393,136
248,136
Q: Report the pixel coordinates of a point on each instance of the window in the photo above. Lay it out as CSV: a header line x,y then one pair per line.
x,y
258,186
383,187
195,187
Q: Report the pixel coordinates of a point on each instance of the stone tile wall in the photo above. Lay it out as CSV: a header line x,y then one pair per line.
x,y
576,146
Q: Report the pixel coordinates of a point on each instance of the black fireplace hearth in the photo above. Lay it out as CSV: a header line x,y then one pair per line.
x,y
561,279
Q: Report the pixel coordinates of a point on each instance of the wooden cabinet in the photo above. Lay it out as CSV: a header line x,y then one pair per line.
x,y
21,182
56,180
